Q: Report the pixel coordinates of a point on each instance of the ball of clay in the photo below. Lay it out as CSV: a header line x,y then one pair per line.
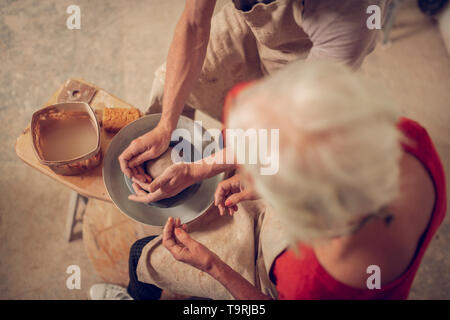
x,y
156,167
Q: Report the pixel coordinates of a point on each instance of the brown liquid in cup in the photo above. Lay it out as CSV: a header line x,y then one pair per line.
x,y
68,139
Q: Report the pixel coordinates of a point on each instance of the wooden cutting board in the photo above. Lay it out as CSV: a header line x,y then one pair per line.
x,y
90,183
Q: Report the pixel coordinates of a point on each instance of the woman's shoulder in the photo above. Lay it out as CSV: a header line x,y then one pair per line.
x,y
391,246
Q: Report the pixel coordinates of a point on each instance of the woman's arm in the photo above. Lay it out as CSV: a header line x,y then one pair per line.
x,y
236,284
185,249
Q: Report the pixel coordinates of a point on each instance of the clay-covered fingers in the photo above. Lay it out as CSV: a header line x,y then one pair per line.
x,y
139,174
168,235
147,197
170,241
164,191
227,203
161,191
222,209
138,189
220,194
135,148
235,198
228,194
184,248
225,188
179,225
123,162
162,182
142,175
184,239
223,191
231,210
221,203
140,194
144,156
144,185
177,222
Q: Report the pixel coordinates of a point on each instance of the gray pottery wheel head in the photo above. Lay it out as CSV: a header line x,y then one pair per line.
x,y
189,208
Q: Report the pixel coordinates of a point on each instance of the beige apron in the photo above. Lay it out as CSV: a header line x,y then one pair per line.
x,y
248,242
243,46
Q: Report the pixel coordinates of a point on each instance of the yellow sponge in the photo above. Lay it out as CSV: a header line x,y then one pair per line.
x,y
115,119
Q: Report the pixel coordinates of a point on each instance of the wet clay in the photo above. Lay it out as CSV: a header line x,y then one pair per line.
x,y
157,166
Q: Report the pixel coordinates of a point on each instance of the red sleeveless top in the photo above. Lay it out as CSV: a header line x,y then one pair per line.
x,y
304,278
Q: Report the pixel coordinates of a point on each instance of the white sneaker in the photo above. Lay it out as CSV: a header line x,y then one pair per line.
x,y
106,291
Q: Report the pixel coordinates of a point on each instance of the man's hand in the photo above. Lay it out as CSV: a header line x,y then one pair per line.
x,y
148,146
229,193
172,181
139,173
185,249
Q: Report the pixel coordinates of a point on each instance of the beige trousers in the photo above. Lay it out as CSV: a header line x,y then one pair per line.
x,y
249,242
243,46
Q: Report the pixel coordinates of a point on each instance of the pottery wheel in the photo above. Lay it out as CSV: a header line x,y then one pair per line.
x,y
188,208
155,168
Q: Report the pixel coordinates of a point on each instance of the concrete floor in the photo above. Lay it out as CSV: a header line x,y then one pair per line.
x,y
119,46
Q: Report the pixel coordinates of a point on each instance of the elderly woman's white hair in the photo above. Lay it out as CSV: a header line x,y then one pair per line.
x,y
339,147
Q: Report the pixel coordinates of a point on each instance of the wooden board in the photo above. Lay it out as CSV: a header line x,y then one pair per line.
x,y
90,183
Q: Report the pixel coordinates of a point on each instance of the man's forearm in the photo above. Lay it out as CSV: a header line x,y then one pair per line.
x,y
213,165
184,64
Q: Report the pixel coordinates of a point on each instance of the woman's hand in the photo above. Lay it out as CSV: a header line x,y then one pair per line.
x,y
185,249
172,181
230,192
148,146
